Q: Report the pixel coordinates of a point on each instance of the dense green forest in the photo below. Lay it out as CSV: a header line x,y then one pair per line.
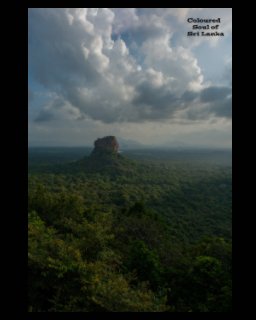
x,y
149,231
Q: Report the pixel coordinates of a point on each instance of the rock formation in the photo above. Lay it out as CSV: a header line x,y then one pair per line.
x,y
104,159
106,145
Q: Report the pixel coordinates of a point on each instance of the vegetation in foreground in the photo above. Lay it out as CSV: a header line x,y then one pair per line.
x,y
154,237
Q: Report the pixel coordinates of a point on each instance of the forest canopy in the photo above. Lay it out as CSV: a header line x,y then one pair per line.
x,y
154,237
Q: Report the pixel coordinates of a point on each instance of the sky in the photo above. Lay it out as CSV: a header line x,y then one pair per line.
x,y
129,72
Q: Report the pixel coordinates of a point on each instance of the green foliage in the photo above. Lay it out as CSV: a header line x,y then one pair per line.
x,y
81,280
146,264
130,237
206,278
204,285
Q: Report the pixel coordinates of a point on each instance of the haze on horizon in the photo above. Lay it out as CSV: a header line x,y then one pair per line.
x,y
128,72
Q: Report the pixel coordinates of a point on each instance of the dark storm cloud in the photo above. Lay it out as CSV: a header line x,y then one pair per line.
x,y
223,108
219,100
155,103
214,93
160,103
45,116
189,96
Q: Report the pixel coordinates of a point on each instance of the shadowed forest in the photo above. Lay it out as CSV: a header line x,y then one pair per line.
x,y
141,230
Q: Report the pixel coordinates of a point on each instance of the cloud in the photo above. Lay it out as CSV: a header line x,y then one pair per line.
x,y
119,66
223,108
227,75
45,115
155,102
58,109
214,93
189,96
219,100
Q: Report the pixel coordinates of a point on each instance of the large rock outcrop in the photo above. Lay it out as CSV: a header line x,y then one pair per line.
x,y
104,159
106,145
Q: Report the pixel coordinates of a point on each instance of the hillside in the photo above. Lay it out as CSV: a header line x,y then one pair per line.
x,y
150,231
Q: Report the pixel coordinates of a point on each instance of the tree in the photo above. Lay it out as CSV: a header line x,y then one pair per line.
x,y
146,264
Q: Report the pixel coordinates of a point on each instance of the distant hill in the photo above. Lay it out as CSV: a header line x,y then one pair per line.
x,y
107,156
104,158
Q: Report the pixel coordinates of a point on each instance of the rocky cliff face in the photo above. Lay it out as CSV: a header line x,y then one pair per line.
x,y
105,145
105,159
